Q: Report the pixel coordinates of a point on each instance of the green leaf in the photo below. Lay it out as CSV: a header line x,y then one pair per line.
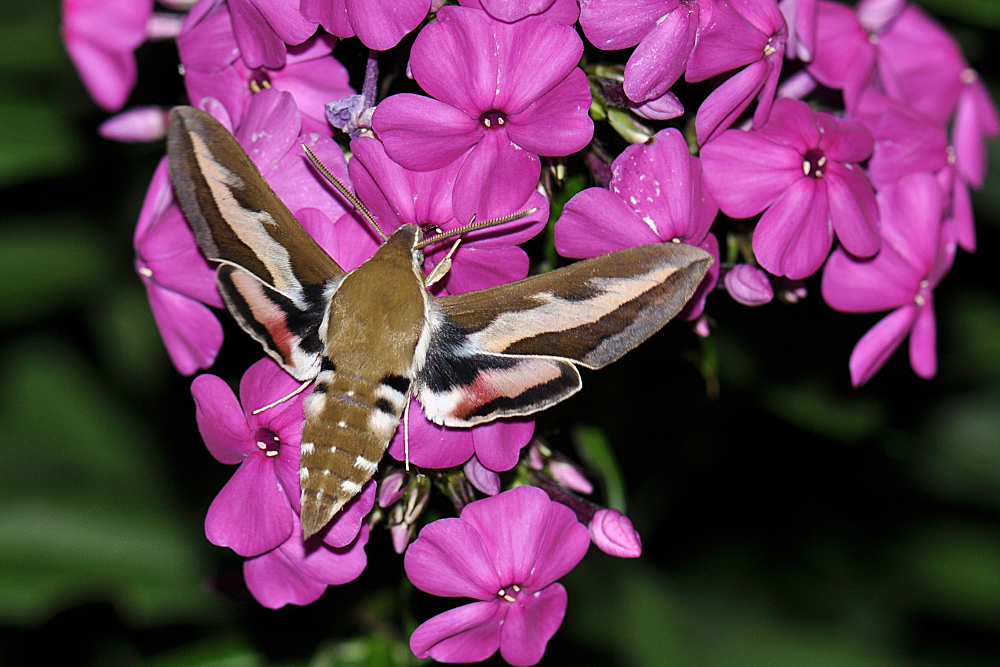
x,y
816,408
596,452
44,266
229,653
127,333
376,650
984,13
956,568
83,508
36,141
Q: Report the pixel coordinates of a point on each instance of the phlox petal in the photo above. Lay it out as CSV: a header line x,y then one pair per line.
x,y
381,183
347,523
876,346
726,42
431,445
498,444
619,24
251,514
843,140
221,421
331,14
264,383
450,559
534,56
512,10
478,268
532,540
423,133
794,236
725,104
923,340
558,122
853,210
749,285
470,633
380,24
332,566
596,221
853,286
300,185
746,172
285,19
191,332
497,176
662,56
269,128
912,210
612,532
530,624
274,580
259,44
975,119
481,477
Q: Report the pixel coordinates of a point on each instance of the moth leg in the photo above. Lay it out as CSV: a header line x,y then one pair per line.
x,y
285,398
442,268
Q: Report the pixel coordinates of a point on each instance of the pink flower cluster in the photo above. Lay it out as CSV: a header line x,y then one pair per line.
x,y
874,194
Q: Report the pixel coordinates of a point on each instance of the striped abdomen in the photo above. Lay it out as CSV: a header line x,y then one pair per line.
x,y
349,422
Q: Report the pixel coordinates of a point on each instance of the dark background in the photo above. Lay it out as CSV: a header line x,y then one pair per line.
x,y
787,518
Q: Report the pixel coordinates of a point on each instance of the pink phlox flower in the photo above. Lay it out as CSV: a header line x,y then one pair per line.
x,y
743,33
379,24
801,169
664,33
895,48
214,66
489,257
265,28
975,120
101,37
505,94
563,12
916,254
506,551
485,480
800,17
270,133
178,279
656,196
297,573
257,509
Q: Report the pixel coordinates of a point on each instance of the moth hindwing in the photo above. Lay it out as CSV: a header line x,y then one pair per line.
x,y
374,337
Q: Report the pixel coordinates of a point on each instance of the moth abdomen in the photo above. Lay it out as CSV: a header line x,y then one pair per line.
x,y
349,422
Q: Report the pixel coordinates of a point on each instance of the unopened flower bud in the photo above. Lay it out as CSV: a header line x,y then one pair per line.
x,y
613,534
748,285
481,477
391,488
570,476
137,125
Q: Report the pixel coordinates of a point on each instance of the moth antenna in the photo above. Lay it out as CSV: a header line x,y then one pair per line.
x,y
282,400
475,226
345,191
406,435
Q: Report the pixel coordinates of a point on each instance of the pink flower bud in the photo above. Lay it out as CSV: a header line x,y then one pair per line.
x,y
702,328
613,534
569,476
748,285
400,537
136,125
481,477
391,488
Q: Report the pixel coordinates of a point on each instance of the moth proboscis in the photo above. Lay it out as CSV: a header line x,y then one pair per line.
x,y
372,338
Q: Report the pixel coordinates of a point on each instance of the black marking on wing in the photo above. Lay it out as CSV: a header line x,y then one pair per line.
x,y
447,366
397,382
385,406
327,365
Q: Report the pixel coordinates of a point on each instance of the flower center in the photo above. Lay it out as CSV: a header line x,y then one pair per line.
x,y
268,442
510,593
813,162
259,80
493,119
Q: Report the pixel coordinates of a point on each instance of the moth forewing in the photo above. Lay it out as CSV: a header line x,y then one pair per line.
x,y
509,350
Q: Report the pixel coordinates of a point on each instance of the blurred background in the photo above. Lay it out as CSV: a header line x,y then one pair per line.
x,y
787,519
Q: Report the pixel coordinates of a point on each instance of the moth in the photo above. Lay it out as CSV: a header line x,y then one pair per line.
x,y
370,339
